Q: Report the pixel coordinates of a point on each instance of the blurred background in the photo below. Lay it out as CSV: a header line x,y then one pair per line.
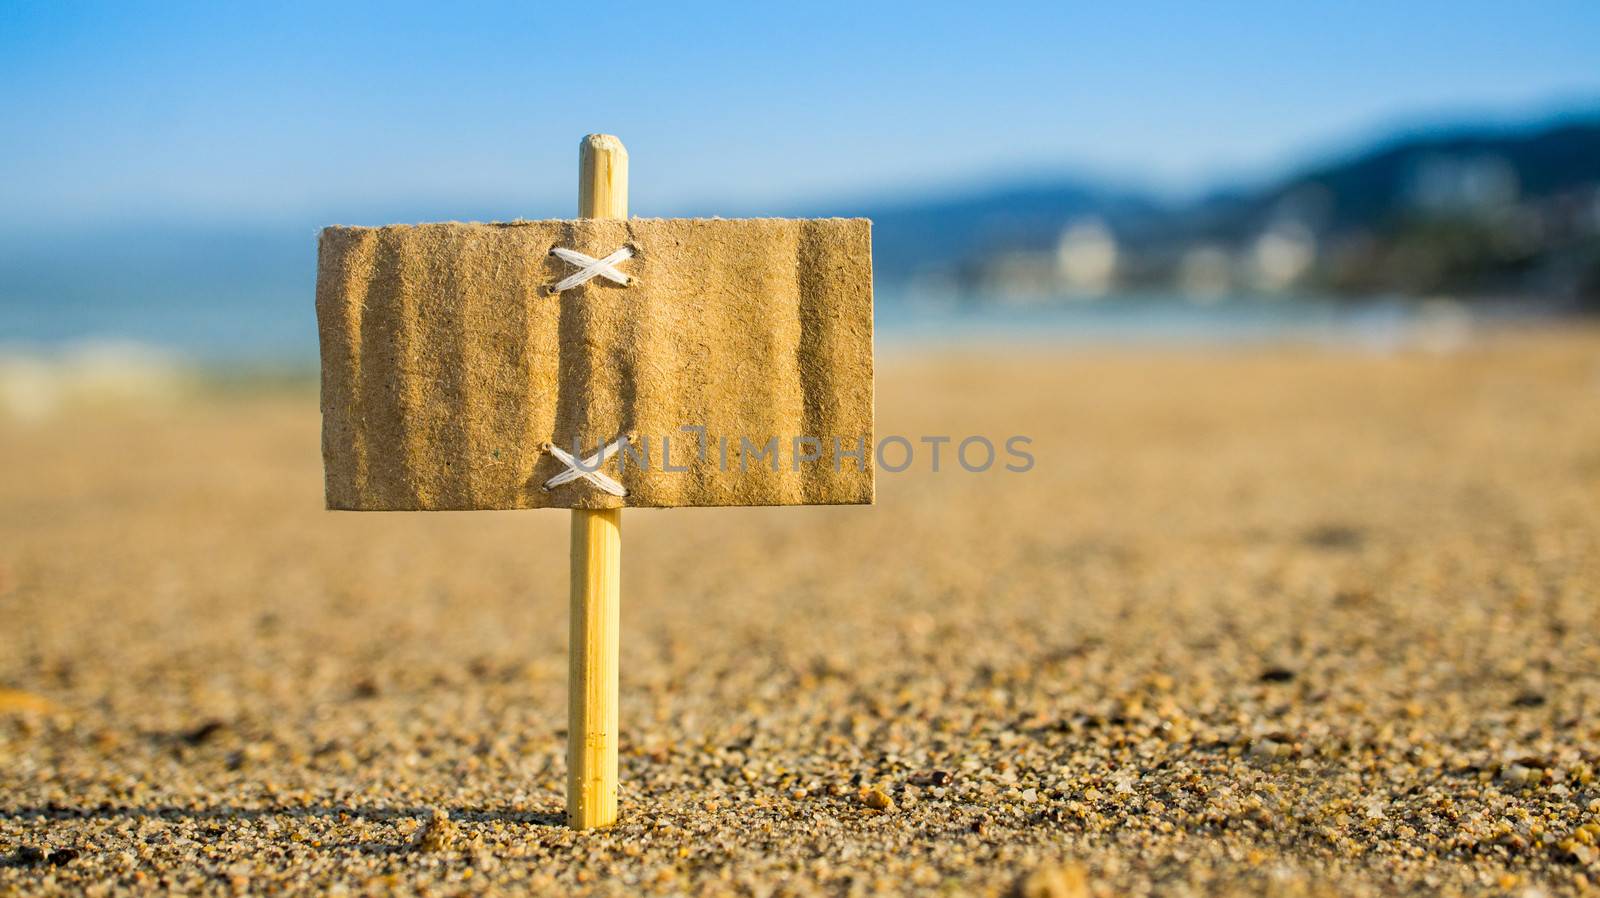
x,y
1072,172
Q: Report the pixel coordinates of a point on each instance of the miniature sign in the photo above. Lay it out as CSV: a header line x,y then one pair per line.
x,y
597,364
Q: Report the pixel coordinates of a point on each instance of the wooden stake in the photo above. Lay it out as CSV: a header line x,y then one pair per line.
x,y
602,177
596,569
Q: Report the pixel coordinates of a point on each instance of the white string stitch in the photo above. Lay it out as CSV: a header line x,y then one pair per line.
x,y
590,469
589,267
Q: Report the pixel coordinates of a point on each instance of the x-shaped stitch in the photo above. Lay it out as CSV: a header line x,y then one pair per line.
x,y
589,468
590,267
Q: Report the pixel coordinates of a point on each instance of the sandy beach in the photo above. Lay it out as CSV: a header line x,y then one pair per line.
x,y
1270,620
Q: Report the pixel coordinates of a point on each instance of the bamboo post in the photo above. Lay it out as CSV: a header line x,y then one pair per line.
x,y
596,569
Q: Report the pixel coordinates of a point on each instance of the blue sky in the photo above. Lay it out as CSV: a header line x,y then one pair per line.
x,y
118,112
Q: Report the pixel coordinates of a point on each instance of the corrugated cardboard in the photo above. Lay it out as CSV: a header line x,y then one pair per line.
x,y
448,365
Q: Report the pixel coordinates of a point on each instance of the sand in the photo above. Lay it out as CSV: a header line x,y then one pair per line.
x,y
1275,620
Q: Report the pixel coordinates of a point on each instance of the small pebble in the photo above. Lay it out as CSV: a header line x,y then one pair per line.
x,y
1054,881
877,799
437,834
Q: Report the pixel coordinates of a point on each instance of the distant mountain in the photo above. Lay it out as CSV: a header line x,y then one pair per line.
x,y
1468,166
945,234
1468,211
1473,211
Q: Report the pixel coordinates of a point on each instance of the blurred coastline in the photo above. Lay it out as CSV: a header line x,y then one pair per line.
x,y
1421,240
42,379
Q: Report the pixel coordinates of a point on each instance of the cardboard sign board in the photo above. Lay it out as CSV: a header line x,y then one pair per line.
x,y
734,366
